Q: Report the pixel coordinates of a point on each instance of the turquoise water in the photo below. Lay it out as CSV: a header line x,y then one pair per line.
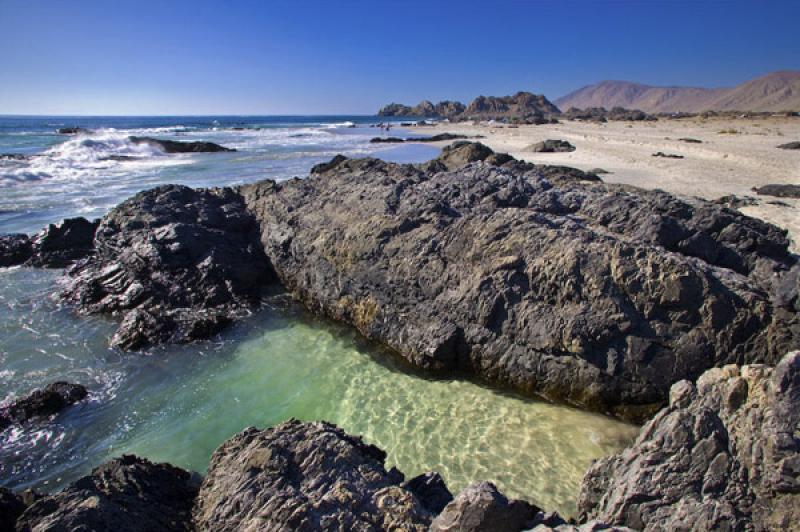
x,y
179,403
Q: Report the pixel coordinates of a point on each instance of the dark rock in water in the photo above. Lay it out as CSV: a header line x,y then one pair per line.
x,y
15,156
15,249
431,491
305,477
790,146
690,140
52,399
128,494
551,146
724,455
482,508
11,507
528,276
736,202
388,140
780,191
176,264
174,146
441,137
667,155
120,158
73,131
59,245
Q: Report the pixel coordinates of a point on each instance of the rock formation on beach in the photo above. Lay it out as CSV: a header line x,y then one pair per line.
x,y
520,106
780,190
42,403
424,109
601,114
175,264
174,146
551,146
790,146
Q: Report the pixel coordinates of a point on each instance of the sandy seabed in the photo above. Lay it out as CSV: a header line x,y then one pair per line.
x,y
733,156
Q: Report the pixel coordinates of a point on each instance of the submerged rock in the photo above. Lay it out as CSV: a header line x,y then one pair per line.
x,y
174,146
304,476
128,494
551,146
42,403
176,264
724,455
482,508
598,295
780,191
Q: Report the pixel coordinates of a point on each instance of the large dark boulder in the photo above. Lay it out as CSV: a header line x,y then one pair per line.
x,y
724,455
790,146
15,249
175,264
59,245
128,494
781,191
598,295
304,477
42,403
73,131
482,508
174,146
11,507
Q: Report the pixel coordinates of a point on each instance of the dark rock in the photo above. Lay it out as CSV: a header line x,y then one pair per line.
x,y
520,105
736,202
601,114
176,264
598,171
441,137
690,140
482,508
11,507
14,250
128,494
667,155
444,109
52,399
598,295
430,490
386,140
780,191
61,244
304,477
174,146
724,455
395,109
551,146
779,203
15,156
73,131
790,146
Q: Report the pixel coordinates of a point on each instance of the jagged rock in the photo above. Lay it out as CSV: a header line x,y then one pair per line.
x,y
304,477
482,508
780,191
520,105
736,202
601,114
551,146
11,507
59,245
590,526
395,109
445,109
128,494
174,146
790,146
15,249
41,403
724,455
430,490
176,264
73,131
598,295
667,155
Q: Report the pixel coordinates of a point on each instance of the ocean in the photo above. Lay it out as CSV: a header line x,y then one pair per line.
x,y
178,403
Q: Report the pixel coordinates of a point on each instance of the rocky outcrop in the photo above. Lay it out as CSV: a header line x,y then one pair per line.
x,y
56,246
304,476
551,146
425,109
724,455
175,264
522,106
128,494
780,191
174,146
482,508
15,249
597,295
52,399
601,114
442,137
11,507
790,146
73,131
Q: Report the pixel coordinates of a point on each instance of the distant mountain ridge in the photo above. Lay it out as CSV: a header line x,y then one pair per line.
x,y
777,91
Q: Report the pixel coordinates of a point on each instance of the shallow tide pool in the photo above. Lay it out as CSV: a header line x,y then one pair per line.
x,y
178,404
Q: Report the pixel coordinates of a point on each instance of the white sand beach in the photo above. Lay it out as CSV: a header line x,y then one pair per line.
x,y
734,155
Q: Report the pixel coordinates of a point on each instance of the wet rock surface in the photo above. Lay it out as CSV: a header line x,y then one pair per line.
x,y
780,191
174,146
598,295
724,455
128,494
304,476
50,400
481,507
56,246
15,249
551,146
175,264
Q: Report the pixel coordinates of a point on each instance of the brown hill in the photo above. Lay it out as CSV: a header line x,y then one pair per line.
x,y
778,91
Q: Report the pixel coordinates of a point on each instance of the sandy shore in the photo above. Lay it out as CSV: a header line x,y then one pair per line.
x,y
734,156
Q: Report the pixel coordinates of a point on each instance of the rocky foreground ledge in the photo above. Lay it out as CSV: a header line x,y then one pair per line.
x,y
724,455
538,278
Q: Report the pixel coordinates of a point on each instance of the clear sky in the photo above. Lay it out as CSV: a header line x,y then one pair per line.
x,y
331,57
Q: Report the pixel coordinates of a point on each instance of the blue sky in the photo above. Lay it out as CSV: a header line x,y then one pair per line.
x,y
329,57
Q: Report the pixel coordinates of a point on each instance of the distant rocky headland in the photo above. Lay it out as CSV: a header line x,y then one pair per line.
x,y
522,106
540,279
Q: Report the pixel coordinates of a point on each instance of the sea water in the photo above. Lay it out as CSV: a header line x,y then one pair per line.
x,y
179,403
